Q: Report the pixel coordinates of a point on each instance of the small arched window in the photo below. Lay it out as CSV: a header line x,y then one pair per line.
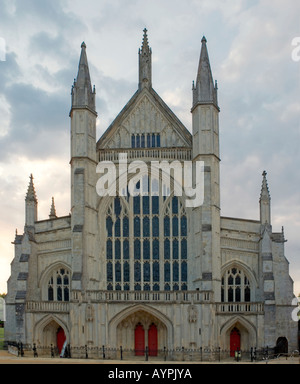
x,y
235,286
59,285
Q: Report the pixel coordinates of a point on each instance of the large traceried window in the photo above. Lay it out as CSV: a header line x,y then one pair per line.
x,y
235,286
59,285
146,243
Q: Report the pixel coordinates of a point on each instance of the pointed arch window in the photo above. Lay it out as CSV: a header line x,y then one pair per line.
x,y
146,242
235,286
59,285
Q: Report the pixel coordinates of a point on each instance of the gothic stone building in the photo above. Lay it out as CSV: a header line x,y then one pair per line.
x,y
144,270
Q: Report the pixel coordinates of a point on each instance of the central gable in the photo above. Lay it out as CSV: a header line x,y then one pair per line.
x,y
145,114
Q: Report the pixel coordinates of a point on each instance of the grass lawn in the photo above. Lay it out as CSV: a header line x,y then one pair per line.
x,y
1,337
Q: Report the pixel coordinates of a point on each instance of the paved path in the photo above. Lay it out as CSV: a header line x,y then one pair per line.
x,y
6,358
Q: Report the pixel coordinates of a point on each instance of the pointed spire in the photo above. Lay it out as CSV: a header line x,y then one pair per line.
x,y
145,63
31,195
52,210
265,193
205,90
83,77
83,94
265,201
145,47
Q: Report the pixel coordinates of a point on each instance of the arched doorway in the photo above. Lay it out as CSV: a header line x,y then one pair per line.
x,y
152,340
139,340
282,345
235,341
136,332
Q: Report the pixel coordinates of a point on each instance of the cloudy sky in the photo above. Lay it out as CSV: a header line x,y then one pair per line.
x,y
250,48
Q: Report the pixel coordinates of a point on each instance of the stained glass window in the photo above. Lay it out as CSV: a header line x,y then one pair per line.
x,y
126,272
126,249
167,272
136,205
167,226
109,250
137,249
109,225
118,272
155,205
184,271
109,268
137,271
137,227
175,271
175,250
155,250
147,272
118,227
184,249
155,226
158,140
125,227
167,249
146,250
149,234
156,271
175,226
146,207
146,226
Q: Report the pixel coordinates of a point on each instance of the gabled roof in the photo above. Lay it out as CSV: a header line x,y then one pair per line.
x,y
159,107
145,113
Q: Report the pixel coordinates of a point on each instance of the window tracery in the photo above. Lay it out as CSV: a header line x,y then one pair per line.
x,y
59,285
153,229
235,286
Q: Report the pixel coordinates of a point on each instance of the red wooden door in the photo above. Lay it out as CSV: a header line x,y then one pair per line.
x,y
152,340
60,339
235,341
139,336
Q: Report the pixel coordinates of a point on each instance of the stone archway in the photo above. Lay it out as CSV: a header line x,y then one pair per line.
x,y
142,328
239,332
121,328
50,330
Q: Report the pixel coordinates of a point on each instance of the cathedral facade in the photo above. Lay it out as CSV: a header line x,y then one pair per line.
x,y
140,268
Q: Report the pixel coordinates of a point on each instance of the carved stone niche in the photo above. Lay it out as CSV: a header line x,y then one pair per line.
x,y
192,314
89,313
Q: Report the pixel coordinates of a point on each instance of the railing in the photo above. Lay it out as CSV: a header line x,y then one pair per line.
x,y
179,153
164,297
143,296
245,308
47,306
166,354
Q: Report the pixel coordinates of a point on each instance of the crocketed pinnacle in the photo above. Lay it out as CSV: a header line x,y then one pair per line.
x,y
265,194
31,194
52,210
145,47
145,64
